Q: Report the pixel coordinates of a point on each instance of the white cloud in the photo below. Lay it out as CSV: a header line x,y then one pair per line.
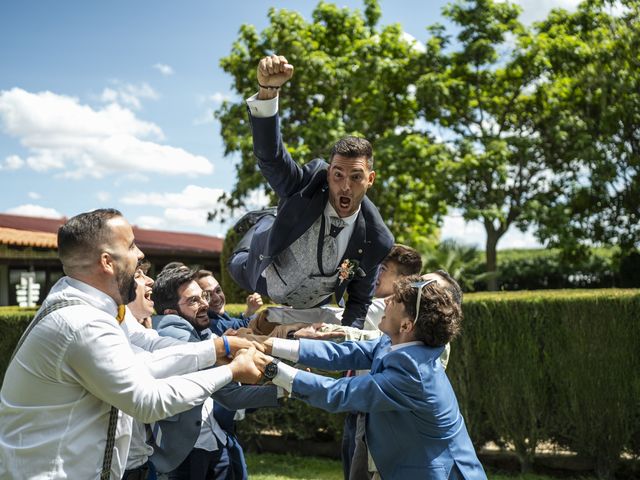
x,y
149,221
206,117
128,94
190,208
187,208
34,195
192,197
219,97
31,210
216,99
12,162
415,43
164,69
63,134
103,197
473,233
196,217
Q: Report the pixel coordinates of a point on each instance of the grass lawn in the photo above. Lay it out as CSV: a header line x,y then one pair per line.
x,y
269,466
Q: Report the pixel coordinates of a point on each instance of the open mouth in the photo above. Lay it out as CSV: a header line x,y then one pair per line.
x,y
344,202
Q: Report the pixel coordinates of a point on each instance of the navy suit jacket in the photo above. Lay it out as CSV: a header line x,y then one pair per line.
x,y
303,194
414,428
180,432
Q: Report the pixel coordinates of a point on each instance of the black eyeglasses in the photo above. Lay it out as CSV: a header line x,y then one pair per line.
x,y
420,285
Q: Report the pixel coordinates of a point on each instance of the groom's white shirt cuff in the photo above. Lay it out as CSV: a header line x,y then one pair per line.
x,y
262,108
287,350
285,376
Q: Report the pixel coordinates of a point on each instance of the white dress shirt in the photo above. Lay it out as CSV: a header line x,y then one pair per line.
x,y
170,357
58,390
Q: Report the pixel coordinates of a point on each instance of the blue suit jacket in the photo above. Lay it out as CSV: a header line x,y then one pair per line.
x,y
303,194
221,323
180,432
414,427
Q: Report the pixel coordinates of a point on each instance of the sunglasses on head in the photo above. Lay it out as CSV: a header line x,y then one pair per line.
x,y
420,285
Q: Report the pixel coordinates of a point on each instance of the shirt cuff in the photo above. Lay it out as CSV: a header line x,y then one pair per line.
x,y
286,349
262,108
284,377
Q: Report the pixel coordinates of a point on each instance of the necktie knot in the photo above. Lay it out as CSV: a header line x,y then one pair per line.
x,y
337,224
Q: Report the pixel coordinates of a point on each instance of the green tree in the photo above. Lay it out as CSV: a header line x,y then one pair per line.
x,y
352,77
461,261
592,125
482,95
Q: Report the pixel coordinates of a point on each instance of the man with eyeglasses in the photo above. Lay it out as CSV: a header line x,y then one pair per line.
x,y
194,445
414,427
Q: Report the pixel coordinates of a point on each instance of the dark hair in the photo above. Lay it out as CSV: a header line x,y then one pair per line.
x,y
439,318
407,259
171,265
204,273
81,236
451,286
354,147
165,289
144,265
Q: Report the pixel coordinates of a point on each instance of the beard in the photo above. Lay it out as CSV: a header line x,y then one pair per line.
x,y
126,286
198,323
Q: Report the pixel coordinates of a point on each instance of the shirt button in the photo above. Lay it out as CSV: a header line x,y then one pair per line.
x,y
261,257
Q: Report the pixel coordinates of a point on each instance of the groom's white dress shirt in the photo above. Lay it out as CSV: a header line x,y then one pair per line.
x,y
76,363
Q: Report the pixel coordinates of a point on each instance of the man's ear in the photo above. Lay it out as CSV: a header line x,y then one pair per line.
x,y
406,326
371,179
107,263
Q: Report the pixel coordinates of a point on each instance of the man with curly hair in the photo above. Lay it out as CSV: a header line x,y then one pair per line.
x,y
414,427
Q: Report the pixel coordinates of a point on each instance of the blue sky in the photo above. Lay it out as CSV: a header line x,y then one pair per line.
x,y
109,104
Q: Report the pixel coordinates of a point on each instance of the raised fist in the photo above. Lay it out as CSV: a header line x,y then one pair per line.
x,y
274,71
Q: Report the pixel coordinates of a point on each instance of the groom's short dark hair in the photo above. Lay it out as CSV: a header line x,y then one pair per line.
x,y
353,147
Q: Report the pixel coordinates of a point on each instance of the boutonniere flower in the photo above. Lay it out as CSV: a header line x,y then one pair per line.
x,y
347,269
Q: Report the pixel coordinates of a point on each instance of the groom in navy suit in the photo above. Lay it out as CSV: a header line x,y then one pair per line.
x,y
327,237
414,428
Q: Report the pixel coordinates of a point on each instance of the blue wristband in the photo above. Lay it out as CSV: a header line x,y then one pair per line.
x,y
227,350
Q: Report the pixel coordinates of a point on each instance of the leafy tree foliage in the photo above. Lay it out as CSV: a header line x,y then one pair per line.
x,y
482,95
592,124
510,125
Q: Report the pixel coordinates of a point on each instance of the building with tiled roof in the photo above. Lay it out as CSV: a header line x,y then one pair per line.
x,y
29,244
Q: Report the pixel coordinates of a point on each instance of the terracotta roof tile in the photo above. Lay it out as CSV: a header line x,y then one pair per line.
x,y
26,238
149,241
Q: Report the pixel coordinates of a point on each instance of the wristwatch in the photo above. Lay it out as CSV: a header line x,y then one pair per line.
x,y
271,370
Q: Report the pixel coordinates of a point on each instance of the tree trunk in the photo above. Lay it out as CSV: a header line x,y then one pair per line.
x,y
491,257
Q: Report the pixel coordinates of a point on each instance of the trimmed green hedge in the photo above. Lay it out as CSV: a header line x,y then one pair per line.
x,y
530,367
552,365
13,321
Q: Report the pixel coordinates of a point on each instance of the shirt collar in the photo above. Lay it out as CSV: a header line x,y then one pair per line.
x,y
398,346
329,211
94,297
